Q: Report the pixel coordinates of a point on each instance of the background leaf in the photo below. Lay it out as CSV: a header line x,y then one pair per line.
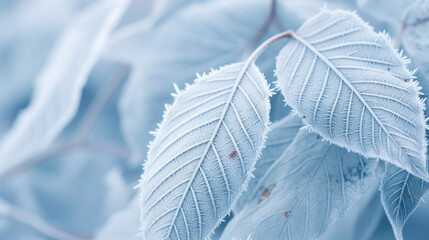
x,y
354,89
279,138
204,152
362,220
123,43
401,193
313,184
385,12
25,44
58,87
124,224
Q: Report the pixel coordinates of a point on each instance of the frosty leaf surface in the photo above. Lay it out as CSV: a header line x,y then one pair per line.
x,y
59,85
354,89
204,152
313,184
279,138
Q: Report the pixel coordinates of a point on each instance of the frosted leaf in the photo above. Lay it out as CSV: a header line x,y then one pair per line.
x,y
59,85
204,152
354,89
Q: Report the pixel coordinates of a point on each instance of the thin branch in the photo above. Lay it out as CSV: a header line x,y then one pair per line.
x,y
100,103
34,222
260,34
108,148
53,151
58,149
404,26
81,138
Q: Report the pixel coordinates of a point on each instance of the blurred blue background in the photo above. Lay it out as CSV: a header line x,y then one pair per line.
x,y
86,191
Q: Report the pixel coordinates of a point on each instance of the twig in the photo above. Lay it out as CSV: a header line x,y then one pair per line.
x,y
109,148
258,36
404,26
99,103
34,222
81,138
52,151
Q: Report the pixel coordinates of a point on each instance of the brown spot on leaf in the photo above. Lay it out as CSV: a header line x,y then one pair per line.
x,y
267,191
233,154
407,80
408,194
304,116
286,214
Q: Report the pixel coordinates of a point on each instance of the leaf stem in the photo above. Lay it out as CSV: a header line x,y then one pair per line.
x,y
34,222
58,149
266,44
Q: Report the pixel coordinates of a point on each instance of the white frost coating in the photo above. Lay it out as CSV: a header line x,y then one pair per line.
x,y
204,152
58,87
354,89
312,185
